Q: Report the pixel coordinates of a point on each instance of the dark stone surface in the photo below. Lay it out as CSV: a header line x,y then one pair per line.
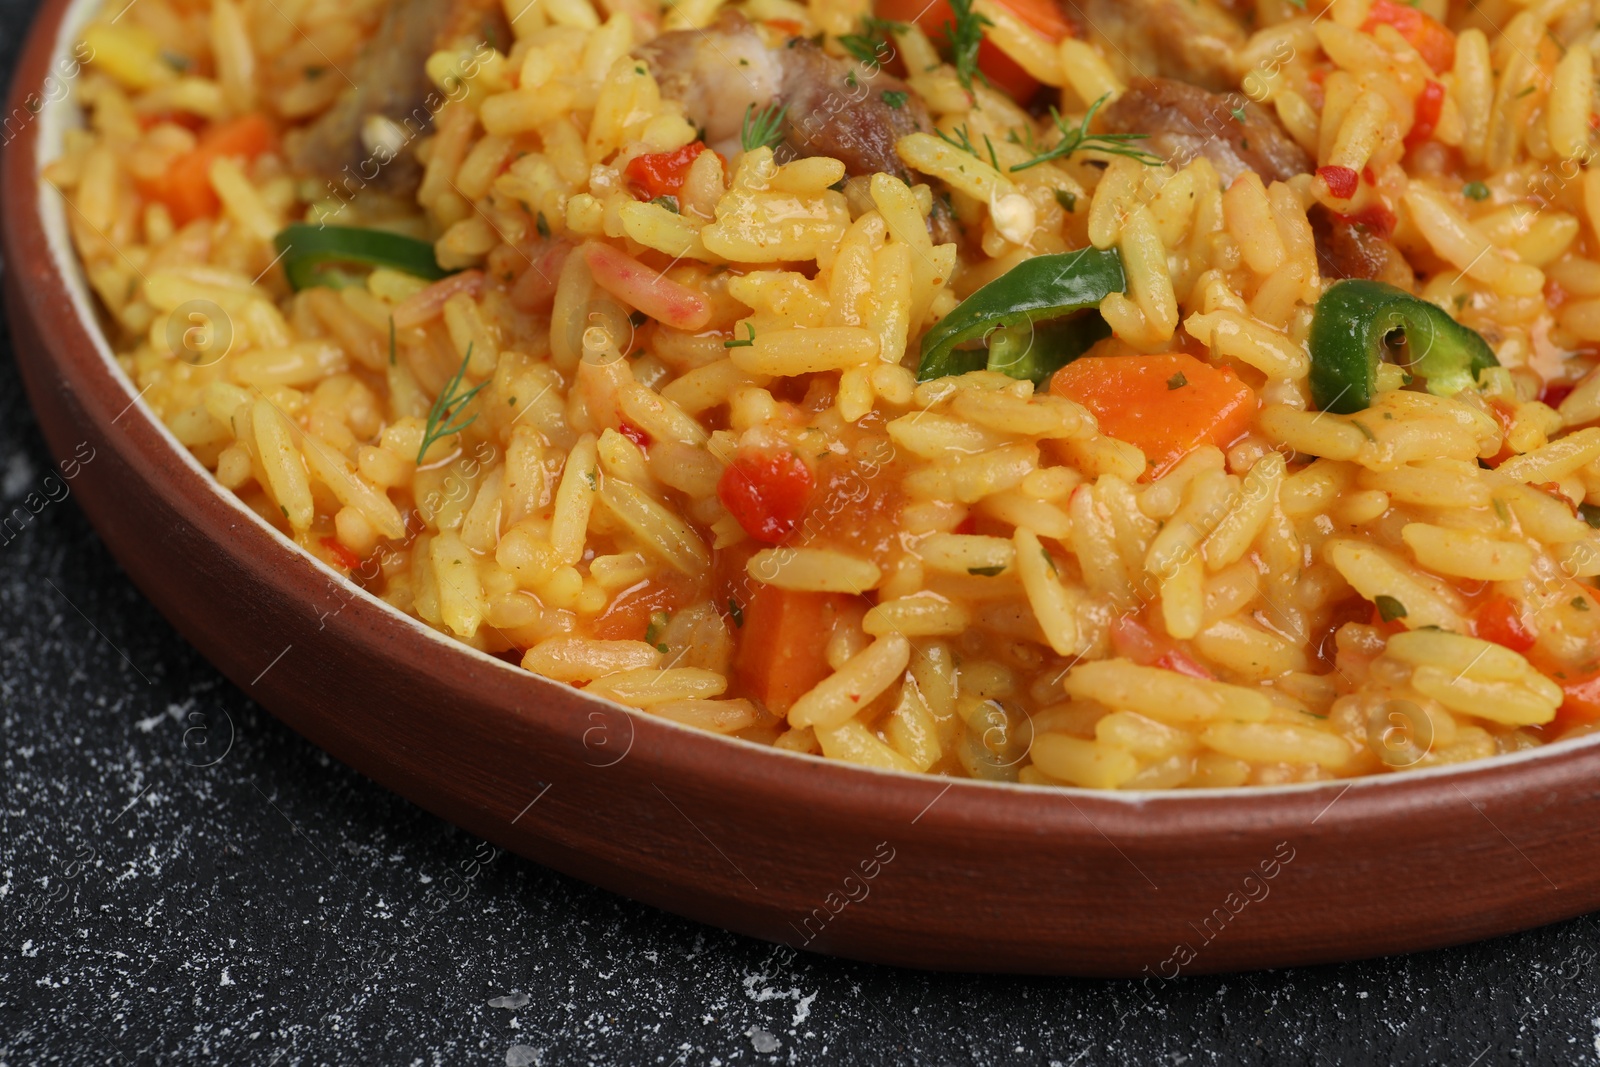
x,y
274,907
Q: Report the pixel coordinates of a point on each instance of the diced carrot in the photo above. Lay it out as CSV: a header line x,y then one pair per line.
x,y
1002,71
1167,405
1430,37
1499,619
782,643
1580,698
185,188
627,617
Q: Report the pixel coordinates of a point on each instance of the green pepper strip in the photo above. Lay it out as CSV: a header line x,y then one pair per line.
x,y
1349,338
1029,310
311,254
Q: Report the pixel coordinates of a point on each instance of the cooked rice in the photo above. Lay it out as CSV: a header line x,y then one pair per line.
x,y
998,565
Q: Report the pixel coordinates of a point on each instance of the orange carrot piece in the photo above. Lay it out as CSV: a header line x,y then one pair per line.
x,y
1431,38
1167,405
782,644
186,187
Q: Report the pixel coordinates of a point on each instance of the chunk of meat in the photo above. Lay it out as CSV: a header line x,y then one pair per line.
x,y
1350,249
1184,121
833,107
368,136
1197,41
717,74
838,109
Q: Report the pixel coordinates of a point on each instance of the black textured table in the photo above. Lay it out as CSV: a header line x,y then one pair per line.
x,y
183,879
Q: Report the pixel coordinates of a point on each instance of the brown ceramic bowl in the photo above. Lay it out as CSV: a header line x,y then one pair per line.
x,y
886,867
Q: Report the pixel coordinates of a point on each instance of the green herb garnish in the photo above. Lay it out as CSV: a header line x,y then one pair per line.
x,y
895,99
1590,513
1177,381
762,129
1080,139
965,34
986,572
1068,201
1389,609
736,613
748,343
442,415
959,138
1475,191
668,202
862,49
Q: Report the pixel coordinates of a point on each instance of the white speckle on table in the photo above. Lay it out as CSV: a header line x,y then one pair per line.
x,y
762,1041
225,980
524,1056
802,1010
19,472
513,1000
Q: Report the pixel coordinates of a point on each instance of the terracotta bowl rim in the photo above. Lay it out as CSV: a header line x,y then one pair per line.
x,y
48,212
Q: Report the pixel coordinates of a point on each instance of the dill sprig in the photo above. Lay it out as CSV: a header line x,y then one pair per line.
x,y
762,129
965,34
442,416
1074,140
872,47
962,140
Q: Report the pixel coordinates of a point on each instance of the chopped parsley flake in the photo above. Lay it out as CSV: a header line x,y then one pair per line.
x,y
1389,609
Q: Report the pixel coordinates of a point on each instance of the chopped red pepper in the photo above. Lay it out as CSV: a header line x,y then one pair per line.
x,y
1430,102
766,492
341,555
662,173
1500,620
1506,415
1181,662
1553,393
1341,181
1376,220
1131,639
1430,37
633,433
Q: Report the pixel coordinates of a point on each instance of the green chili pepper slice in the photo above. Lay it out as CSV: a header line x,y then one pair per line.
x,y
1038,316
314,255
1350,335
